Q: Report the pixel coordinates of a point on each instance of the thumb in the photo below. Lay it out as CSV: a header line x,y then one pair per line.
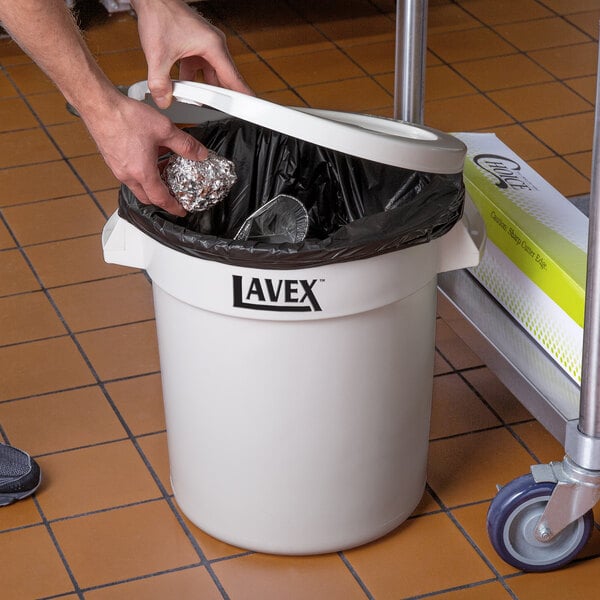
x,y
160,85
185,145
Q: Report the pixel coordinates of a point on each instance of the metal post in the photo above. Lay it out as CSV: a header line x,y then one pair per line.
x,y
589,408
411,49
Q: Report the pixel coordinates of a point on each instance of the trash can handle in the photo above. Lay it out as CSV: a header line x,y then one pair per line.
x,y
382,140
464,244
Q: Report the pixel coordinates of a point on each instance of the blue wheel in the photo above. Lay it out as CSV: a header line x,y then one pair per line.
x,y
511,521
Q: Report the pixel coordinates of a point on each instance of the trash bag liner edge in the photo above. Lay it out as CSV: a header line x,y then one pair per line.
x,y
357,208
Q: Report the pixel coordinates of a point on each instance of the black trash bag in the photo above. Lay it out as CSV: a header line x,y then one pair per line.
x,y
357,208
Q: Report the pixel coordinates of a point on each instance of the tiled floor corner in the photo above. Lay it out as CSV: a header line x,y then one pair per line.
x,y
79,368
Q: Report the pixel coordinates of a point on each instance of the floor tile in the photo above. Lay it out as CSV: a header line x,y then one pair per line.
x,y
124,68
489,591
93,479
443,82
441,365
108,200
473,520
568,61
62,421
541,33
331,11
11,54
423,555
283,97
188,584
582,161
156,451
315,67
565,135
567,7
26,147
127,543
464,113
585,86
453,349
6,88
113,35
28,317
41,367
29,78
578,581
497,395
467,468
19,514
360,94
378,57
51,108
105,303
426,505
139,400
290,38
260,77
15,275
33,568
348,32
470,44
6,239
15,114
457,409
73,139
449,17
507,11
72,261
211,547
587,21
262,577
501,72
545,447
562,176
54,220
122,351
521,141
540,101
38,182
94,171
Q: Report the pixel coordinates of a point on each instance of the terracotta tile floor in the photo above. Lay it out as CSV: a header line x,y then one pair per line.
x,y
79,370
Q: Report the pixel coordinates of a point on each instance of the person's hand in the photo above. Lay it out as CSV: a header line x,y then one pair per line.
x,y
130,135
171,31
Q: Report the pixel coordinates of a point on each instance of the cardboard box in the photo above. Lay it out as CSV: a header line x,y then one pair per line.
x,y
536,257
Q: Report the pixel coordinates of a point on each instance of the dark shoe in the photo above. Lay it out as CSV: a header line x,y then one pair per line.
x,y
20,475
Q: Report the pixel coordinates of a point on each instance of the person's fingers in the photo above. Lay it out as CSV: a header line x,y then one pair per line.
x,y
185,145
138,192
158,194
159,82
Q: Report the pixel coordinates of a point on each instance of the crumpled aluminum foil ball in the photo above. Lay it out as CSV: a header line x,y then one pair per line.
x,y
199,184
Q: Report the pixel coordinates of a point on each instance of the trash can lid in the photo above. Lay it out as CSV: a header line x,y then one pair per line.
x,y
379,139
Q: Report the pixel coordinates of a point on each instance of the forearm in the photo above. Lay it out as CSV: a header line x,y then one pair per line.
x,y
45,29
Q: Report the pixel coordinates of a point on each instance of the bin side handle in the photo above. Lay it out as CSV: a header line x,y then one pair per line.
x,y
123,244
464,244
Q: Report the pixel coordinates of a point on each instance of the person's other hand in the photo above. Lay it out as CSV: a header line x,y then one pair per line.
x,y
171,31
130,139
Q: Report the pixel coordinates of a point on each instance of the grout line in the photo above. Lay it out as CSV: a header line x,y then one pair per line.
x,y
356,576
104,586
55,543
458,588
45,129
450,515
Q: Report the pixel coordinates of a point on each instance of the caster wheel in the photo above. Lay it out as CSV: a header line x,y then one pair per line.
x,y
511,521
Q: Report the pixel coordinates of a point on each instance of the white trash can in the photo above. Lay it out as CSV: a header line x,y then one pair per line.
x,y
298,401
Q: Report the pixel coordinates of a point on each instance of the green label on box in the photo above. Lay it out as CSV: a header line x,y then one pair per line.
x,y
552,262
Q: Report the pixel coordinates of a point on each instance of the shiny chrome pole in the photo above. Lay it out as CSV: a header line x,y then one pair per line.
x,y
589,408
411,51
